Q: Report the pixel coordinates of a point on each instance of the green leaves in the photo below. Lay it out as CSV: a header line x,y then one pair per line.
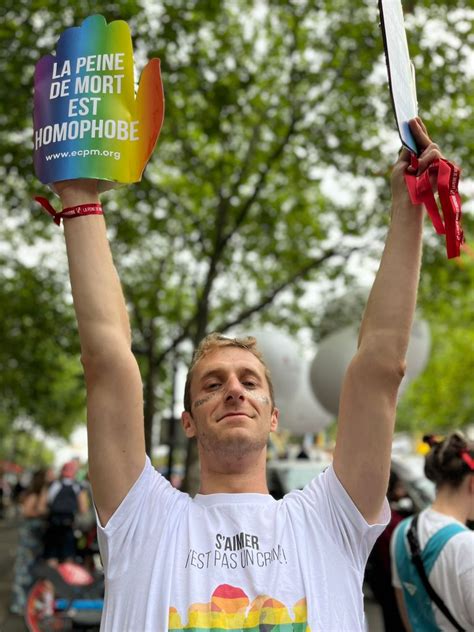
x,y
442,398
271,169
39,358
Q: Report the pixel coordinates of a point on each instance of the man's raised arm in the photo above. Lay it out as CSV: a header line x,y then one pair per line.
x,y
369,393
114,389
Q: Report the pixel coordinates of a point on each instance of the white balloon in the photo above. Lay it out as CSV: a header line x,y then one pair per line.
x,y
336,351
418,353
303,413
343,311
330,364
419,347
283,358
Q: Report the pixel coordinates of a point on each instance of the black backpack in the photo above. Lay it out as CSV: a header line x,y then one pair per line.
x,y
64,506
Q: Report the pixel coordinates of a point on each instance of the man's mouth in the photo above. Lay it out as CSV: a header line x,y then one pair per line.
x,y
234,414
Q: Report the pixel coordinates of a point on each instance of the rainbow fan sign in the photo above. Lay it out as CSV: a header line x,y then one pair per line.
x,y
88,122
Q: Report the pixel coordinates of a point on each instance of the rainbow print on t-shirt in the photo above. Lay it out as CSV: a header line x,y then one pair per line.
x,y
231,609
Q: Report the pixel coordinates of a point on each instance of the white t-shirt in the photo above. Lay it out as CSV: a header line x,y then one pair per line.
x,y
234,561
452,575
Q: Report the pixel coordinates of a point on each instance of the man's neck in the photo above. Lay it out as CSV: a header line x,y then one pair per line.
x,y
239,478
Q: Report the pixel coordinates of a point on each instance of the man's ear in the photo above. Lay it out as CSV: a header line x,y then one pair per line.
x,y
274,420
189,426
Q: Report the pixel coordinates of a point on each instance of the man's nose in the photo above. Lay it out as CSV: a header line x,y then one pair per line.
x,y
234,390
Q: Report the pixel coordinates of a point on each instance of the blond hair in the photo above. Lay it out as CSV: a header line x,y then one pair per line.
x,y
217,341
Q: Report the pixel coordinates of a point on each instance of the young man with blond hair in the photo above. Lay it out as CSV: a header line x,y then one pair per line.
x,y
233,557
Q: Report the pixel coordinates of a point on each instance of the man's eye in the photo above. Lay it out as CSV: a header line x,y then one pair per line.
x,y
213,386
249,384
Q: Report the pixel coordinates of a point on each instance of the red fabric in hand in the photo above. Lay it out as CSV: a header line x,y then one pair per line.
x,y
421,192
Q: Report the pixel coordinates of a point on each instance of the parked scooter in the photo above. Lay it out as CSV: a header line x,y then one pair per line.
x,y
65,598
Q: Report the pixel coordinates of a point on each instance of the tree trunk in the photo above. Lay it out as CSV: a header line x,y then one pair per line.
x,y
192,479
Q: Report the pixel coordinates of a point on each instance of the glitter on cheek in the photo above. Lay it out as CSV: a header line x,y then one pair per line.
x,y
200,402
259,398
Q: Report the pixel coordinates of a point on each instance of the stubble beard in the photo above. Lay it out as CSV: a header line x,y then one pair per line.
x,y
233,446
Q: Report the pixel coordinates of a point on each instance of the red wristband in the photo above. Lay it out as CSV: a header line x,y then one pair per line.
x,y
70,211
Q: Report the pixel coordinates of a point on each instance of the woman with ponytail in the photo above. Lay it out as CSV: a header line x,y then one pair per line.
x,y
433,552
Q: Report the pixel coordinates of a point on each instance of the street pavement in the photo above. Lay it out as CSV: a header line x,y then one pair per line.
x,y
8,540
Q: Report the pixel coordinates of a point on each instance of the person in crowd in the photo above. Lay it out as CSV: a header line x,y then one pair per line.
x,y
444,599
378,571
65,499
86,526
4,491
18,490
34,511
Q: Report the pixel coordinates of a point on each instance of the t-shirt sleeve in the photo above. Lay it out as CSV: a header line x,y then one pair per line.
x,y
142,514
467,583
327,503
464,565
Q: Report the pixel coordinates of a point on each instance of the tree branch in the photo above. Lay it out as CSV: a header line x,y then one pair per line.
x,y
270,297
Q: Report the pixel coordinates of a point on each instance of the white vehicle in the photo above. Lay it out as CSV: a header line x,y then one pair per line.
x,y
288,474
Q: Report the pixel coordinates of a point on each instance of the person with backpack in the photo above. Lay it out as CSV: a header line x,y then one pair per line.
x,y
66,499
33,511
433,552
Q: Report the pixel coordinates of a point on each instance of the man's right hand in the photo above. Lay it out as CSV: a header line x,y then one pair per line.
x,y
429,152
